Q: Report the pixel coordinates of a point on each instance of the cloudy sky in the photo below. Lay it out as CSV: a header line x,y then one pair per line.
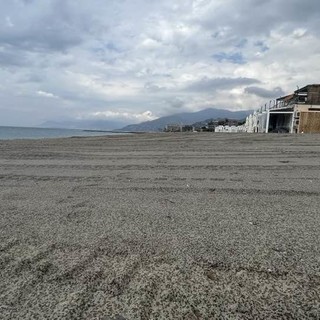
x,y
136,60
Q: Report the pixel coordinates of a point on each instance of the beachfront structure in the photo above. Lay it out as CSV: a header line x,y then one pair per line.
x,y
298,112
178,128
249,124
230,129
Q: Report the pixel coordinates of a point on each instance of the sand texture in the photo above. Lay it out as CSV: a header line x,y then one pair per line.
x,y
160,226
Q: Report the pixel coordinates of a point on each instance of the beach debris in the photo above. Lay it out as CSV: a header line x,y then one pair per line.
x,y
279,250
169,200
212,276
196,312
241,273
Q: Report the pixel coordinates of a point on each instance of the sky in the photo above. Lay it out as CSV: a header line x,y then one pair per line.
x,y
136,60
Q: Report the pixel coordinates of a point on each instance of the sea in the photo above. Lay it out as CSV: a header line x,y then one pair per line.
x,y
10,133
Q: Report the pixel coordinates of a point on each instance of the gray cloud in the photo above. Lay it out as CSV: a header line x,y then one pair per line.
x,y
264,93
176,103
212,85
129,57
10,57
259,17
54,25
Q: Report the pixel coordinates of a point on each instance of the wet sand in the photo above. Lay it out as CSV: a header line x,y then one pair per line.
x,y
160,226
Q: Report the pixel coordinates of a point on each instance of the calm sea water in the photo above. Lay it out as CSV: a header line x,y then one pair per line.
x,y
40,133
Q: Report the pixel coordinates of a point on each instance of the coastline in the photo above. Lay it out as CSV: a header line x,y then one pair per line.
x,y
25,133
160,226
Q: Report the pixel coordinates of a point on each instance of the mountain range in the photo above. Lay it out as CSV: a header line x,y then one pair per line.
x,y
149,126
186,118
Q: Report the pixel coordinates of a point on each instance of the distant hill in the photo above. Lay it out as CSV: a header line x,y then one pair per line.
x,y
186,118
153,126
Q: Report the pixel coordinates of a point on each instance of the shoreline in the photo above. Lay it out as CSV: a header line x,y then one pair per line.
x,y
28,133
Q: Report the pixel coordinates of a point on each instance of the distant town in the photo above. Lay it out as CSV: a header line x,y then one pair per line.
x,y
298,112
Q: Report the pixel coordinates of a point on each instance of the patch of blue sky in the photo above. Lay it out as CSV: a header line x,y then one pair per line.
x,y
233,57
241,43
107,47
111,46
262,46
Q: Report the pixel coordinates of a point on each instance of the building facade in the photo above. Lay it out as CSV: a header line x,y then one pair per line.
x,y
298,112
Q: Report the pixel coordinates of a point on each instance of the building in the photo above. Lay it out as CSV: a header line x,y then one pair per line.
x,y
187,128
230,129
178,128
173,128
212,125
298,112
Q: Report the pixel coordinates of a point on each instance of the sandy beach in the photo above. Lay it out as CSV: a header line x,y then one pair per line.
x,y
160,226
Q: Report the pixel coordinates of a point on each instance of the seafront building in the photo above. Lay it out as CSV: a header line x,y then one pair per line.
x,y
298,112
230,129
173,127
178,128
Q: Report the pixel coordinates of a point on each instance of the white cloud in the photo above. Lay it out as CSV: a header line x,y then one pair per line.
x,y
299,33
118,115
46,94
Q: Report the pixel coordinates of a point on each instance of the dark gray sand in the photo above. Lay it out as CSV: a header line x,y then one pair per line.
x,y
167,226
